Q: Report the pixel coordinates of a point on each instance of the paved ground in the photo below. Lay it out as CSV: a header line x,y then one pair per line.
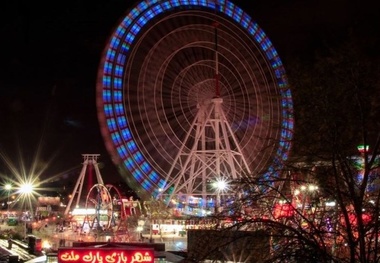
x,y
22,254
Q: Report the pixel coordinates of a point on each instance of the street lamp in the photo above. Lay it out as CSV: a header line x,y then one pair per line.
x,y
26,189
8,187
220,185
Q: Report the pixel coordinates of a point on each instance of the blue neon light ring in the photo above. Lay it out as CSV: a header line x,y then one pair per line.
x,y
115,126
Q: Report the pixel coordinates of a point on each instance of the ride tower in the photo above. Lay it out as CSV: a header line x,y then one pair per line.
x,y
90,161
214,155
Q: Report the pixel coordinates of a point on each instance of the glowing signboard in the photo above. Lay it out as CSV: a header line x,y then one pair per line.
x,y
105,255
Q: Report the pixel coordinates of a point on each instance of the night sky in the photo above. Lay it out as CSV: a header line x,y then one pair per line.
x,y
51,51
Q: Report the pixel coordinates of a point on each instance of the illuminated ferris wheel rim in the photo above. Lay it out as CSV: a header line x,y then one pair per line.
x,y
110,101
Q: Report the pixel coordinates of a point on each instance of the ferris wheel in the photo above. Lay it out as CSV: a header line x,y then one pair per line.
x,y
191,91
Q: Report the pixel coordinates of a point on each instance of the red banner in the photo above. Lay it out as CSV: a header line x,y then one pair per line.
x,y
105,255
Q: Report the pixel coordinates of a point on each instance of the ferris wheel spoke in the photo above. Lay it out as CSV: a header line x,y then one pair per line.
x,y
158,78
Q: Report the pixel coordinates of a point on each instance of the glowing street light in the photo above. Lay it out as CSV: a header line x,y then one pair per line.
x,y
26,188
220,186
307,191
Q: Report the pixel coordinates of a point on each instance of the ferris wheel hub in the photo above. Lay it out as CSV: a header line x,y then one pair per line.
x,y
160,77
217,100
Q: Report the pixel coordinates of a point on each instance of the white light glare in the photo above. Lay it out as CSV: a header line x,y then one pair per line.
x,y
26,188
220,185
331,203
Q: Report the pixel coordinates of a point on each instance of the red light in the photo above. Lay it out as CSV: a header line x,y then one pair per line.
x,y
105,255
363,148
283,210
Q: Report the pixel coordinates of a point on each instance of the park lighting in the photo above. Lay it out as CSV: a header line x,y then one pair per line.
x,y
330,203
307,188
304,193
220,186
312,187
8,187
26,188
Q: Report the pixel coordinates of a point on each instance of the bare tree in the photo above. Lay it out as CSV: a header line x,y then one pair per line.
x,y
324,206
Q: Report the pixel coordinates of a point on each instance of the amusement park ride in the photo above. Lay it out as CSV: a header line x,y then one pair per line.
x,y
190,93
104,208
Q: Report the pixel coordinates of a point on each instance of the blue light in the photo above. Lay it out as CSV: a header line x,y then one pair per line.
x,y
121,59
135,29
111,125
134,13
119,71
253,29
138,157
166,5
138,175
162,184
131,146
142,6
146,167
115,41
175,3
129,38
116,138
107,81
107,68
125,48
120,31
117,83
146,184
154,176
108,110
118,96
107,95
115,64
110,54
122,122
144,19
126,134
157,10
121,151
129,163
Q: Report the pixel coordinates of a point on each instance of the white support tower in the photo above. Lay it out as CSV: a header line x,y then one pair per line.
x,y
88,159
215,154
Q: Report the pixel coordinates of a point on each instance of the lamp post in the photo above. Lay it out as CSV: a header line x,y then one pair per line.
x,y
220,186
26,190
8,187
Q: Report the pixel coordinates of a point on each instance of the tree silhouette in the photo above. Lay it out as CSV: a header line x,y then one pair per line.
x,y
324,206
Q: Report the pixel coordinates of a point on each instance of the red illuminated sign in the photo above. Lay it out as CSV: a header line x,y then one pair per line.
x,y
283,211
105,255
